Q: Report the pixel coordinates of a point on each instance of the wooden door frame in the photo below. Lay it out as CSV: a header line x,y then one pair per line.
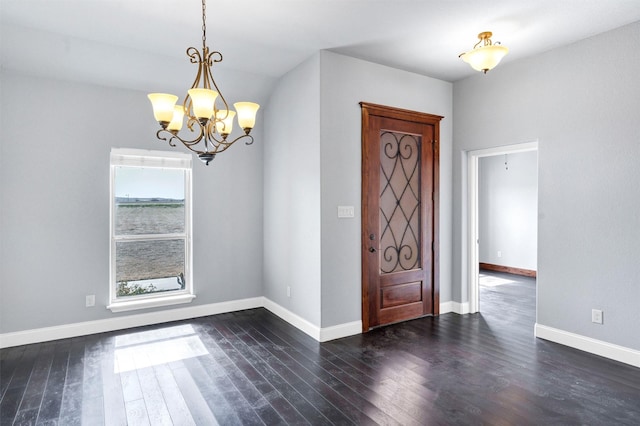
x,y
369,110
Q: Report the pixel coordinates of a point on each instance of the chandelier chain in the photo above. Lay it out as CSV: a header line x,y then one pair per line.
x,y
204,23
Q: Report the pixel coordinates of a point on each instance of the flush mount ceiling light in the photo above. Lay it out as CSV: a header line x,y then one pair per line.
x,y
485,55
211,122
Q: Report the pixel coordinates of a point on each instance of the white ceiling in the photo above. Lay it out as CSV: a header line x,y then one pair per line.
x,y
134,43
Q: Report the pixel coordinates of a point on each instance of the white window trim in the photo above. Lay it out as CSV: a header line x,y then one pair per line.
x,y
160,159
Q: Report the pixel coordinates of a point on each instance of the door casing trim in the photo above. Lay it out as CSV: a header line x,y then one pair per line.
x,y
472,234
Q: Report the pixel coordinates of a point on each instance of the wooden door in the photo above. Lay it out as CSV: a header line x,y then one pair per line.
x,y
399,215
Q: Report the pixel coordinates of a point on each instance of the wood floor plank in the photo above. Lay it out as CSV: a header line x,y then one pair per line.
x,y
92,410
9,405
157,410
317,377
136,413
212,393
306,384
10,360
333,384
53,393
198,407
37,380
175,401
241,375
284,381
258,372
71,406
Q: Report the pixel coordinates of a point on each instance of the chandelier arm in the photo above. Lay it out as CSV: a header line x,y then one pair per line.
x,y
196,58
211,136
211,60
191,122
185,142
221,145
214,57
228,144
170,140
174,136
194,55
249,141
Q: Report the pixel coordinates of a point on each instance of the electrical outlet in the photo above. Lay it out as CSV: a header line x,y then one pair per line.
x,y
499,253
90,300
288,291
596,316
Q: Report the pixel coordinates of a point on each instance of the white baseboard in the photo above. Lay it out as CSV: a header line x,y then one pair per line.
x,y
587,344
293,319
122,322
341,330
66,331
320,334
455,307
46,334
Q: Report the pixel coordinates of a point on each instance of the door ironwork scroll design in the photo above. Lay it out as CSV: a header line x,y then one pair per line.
x,y
400,219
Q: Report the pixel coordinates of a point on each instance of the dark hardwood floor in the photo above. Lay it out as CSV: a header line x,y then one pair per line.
x,y
250,367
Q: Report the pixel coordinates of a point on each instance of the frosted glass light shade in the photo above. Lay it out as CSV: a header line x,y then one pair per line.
x,y
177,120
225,126
485,58
162,104
203,100
246,114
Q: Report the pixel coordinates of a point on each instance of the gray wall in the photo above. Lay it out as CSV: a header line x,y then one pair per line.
x,y
54,225
508,209
292,192
345,82
581,103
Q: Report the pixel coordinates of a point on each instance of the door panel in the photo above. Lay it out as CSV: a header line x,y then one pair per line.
x,y
401,294
399,205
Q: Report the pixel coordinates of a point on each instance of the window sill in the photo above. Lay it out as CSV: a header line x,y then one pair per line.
x,y
131,305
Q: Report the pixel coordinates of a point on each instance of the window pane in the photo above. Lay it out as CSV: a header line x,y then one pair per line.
x,y
149,201
149,266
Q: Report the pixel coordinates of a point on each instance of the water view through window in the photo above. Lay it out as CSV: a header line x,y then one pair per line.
x,y
149,227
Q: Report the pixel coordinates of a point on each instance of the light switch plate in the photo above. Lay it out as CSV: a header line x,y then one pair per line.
x,y
346,211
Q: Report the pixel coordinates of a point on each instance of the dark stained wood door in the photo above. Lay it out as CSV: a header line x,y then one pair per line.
x,y
399,215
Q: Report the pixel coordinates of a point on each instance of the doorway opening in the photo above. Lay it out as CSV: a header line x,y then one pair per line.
x,y
473,213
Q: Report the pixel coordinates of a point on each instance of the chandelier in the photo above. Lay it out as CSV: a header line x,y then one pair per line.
x,y
485,55
209,122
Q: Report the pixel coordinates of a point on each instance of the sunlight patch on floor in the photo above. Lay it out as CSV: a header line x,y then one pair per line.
x,y
155,347
493,281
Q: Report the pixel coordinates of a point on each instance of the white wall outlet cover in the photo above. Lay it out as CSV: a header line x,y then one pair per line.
x,y
90,300
596,316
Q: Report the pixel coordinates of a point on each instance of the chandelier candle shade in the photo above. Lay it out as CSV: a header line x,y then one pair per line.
x,y
207,112
485,55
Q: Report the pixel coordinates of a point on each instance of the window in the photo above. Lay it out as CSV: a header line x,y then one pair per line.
x,y
150,229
